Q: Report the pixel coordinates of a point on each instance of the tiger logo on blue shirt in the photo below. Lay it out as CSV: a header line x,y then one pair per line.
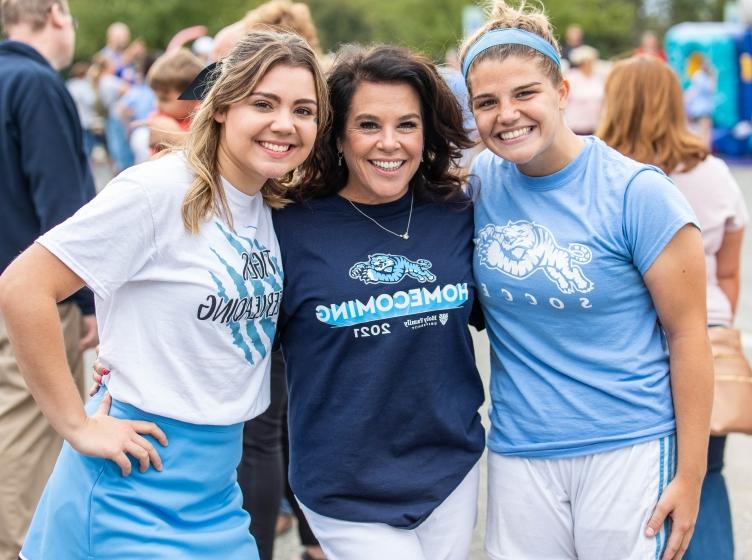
x,y
520,248
382,268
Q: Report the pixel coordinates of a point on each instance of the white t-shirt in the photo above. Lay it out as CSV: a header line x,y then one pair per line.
x,y
719,204
585,100
186,321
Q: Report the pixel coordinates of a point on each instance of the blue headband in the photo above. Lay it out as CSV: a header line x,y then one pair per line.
x,y
509,36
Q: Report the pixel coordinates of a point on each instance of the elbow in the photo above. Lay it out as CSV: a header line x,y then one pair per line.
x,y
728,276
6,291
10,287
15,287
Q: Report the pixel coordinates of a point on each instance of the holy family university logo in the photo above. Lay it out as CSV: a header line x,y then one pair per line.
x,y
520,249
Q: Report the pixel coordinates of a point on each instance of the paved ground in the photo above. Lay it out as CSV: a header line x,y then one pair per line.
x,y
739,448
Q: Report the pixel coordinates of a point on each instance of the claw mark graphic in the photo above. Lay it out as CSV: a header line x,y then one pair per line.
x,y
237,338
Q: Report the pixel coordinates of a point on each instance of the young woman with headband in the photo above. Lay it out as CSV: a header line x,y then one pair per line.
x,y
587,264
183,260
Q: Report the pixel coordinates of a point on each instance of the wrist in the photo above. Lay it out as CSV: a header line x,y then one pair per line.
x,y
71,428
691,475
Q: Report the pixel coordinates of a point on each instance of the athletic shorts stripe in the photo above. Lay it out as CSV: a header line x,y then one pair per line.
x,y
667,469
659,536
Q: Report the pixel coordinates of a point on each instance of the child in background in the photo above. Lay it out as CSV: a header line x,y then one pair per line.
x,y
83,93
135,107
168,77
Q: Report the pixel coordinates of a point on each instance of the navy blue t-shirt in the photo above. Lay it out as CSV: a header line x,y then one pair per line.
x,y
384,392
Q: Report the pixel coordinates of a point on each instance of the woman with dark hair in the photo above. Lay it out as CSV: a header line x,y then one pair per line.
x,y
385,435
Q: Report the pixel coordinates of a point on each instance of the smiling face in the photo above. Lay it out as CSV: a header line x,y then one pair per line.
x,y
519,113
272,131
382,143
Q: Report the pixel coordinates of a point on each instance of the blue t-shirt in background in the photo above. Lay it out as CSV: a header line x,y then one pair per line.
x,y
384,392
579,363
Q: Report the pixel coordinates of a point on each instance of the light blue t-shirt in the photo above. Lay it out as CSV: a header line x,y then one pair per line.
x,y
578,363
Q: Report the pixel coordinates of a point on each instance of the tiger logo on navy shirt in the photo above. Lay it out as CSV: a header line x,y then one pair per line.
x,y
382,268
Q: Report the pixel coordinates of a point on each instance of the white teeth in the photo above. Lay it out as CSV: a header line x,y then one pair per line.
x,y
516,133
388,165
275,147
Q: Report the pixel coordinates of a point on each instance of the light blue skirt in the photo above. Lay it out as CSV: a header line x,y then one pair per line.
x,y
190,510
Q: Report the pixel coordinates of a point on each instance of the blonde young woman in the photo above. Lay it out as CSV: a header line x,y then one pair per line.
x,y
184,263
598,435
644,119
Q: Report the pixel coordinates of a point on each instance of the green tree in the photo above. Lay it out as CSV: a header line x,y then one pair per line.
x,y
154,21
612,26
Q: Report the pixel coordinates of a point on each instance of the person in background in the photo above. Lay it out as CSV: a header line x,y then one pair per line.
x,y
45,179
450,71
282,13
82,91
573,38
699,98
134,108
121,51
586,91
110,88
168,77
651,45
643,118
203,47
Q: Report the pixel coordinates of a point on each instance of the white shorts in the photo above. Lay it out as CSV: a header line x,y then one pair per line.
x,y
593,507
445,535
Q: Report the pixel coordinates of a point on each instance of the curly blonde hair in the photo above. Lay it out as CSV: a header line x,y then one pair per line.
x,y
525,17
234,79
288,15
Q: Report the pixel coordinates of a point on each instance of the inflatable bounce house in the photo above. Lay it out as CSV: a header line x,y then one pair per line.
x,y
714,63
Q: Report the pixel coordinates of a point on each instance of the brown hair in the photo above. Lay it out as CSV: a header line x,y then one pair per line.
x,y
32,12
444,135
174,71
287,15
643,115
526,18
234,79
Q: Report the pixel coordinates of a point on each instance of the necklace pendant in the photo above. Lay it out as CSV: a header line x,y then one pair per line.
x,y
405,236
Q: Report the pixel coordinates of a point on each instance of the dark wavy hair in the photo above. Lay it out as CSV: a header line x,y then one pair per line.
x,y
444,138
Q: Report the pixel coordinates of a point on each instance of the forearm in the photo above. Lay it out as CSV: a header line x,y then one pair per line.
x,y
29,291
35,332
691,365
160,139
730,287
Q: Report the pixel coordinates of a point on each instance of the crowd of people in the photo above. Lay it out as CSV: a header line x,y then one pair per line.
x,y
283,296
